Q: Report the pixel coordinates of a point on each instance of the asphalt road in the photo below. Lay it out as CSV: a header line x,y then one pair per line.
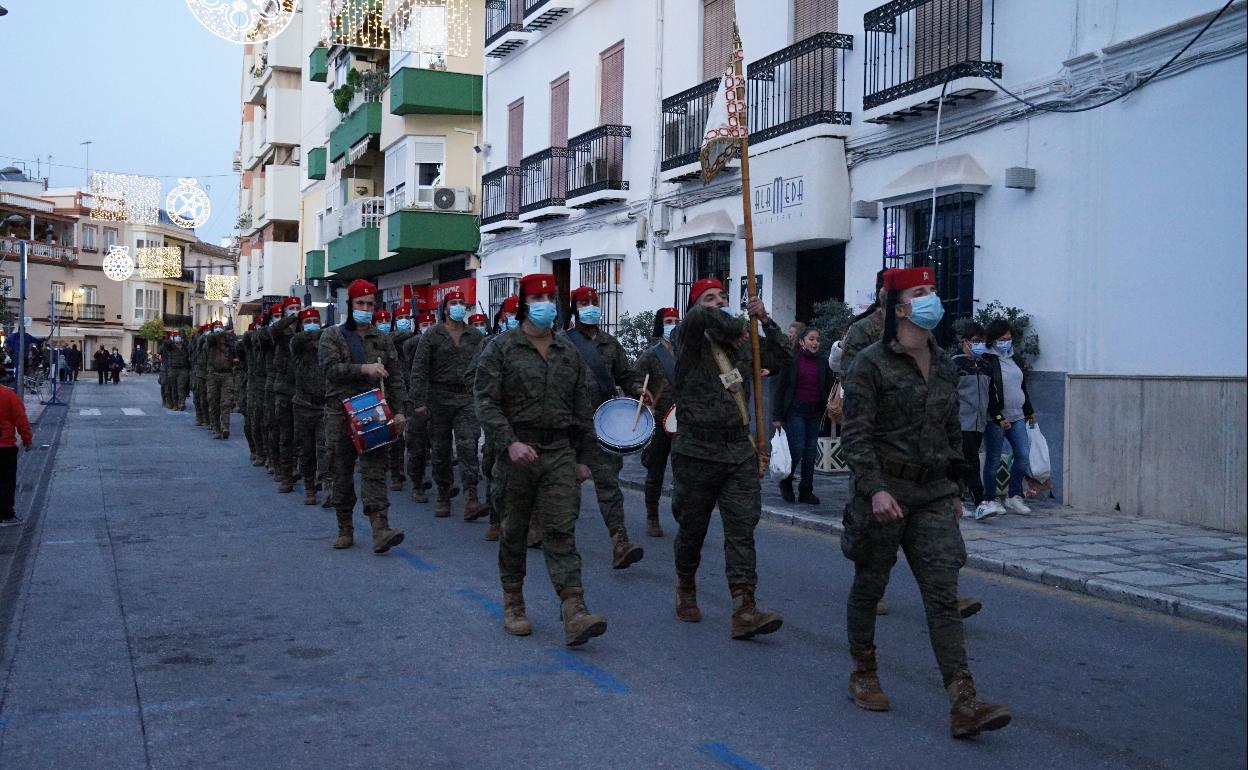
x,y
175,611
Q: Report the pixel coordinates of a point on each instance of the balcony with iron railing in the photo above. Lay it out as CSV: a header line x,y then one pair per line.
x,y
504,27
544,185
90,312
64,311
914,49
541,14
595,170
362,212
796,89
12,247
684,123
177,320
354,252
500,200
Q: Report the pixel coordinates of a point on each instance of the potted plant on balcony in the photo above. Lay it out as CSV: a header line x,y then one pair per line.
x,y
344,93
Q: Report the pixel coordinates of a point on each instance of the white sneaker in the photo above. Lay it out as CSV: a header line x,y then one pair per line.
x,y
987,509
968,511
1016,505
16,521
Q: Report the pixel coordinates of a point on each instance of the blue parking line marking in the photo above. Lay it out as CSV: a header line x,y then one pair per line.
x,y
487,603
570,661
414,560
726,756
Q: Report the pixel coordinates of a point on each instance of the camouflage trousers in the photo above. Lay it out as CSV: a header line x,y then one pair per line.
x,y
654,460
550,482
395,454
416,441
343,457
312,451
176,382
460,422
281,437
220,401
493,485
240,391
606,469
199,389
253,423
700,485
933,545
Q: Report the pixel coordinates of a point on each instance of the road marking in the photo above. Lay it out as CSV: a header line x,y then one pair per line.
x,y
485,602
414,560
726,756
133,412
570,661
88,412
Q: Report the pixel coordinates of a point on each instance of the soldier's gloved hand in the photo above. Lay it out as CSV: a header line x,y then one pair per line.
x,y
521,453
374,371
582,474
885,507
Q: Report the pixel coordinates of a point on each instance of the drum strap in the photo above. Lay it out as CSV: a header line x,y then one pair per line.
x,y
724,362
355,346
665,360
606,383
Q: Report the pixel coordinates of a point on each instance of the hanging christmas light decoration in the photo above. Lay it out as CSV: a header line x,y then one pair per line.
x,y
118,265
187,205
419,26
125,198
219,287
159,262
243,21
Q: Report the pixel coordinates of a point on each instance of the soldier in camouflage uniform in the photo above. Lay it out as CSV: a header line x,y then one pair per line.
x,y
903,443
219,379
532,395
357,358
176,364
268,375
490,449
240,377
608,369
254,416
282,419
165,399
714,461
416,436
659,363
309,407
199,358
438,392
404,330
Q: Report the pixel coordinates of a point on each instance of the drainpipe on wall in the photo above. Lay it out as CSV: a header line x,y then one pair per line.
x,y
648,266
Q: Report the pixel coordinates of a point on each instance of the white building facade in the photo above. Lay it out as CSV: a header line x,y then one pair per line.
x,y
1095,223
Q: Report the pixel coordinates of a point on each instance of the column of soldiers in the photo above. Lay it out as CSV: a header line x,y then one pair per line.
x,y
527,392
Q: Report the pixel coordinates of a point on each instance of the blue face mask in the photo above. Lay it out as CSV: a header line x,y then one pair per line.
x,y
727,311
177,339
362,317
457,312
979,348
512,322
1004,347
404,324
667,332
542,314
311,327
217,330
926,311
481,329
384,328
590,315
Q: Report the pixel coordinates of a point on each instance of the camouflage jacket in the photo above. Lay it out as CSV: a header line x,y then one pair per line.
x,y
709,423
663,389
306,367
255,360
859,336
622,373
199,350
279,335
174,355
343,378
405,353
436,376
517,391
897,421
219,354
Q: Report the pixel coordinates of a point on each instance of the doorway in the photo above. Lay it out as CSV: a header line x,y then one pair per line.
x,y
820,277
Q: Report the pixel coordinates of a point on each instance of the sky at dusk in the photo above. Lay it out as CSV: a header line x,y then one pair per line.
x,y
155,92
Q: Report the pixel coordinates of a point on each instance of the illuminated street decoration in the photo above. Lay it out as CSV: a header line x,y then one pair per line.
x,y
125,198
244,21
117,263
419,26
159,262
219,287
187,205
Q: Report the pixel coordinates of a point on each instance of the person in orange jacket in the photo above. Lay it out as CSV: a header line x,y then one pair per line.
x,y
13,424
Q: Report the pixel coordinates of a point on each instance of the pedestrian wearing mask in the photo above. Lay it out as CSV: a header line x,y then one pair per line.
x,y
973,385
797,406
1009,413
903,443
659,364
490,452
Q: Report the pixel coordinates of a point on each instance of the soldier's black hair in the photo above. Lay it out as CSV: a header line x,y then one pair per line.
x,y
890,316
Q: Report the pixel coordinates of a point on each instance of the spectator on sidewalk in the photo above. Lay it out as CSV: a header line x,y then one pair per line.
x,y
1008,408
117,363
75,360
13,425
62,364
973,385
102,361
798,401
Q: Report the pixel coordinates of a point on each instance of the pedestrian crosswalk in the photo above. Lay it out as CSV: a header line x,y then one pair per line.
x,y
128,411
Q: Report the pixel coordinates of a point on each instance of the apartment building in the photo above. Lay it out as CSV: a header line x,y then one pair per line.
x,y
1090,221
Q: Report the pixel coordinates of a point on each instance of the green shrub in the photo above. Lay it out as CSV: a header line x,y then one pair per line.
x,y
832,318
634,333
1026,340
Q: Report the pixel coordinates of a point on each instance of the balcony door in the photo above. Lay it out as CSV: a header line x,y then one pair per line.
x,y
559,138
812,77
717,18
611,104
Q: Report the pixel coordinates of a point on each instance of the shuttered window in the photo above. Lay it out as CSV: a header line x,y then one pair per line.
x,y
810,17
717,16
611,112
515,132
946,32
559,112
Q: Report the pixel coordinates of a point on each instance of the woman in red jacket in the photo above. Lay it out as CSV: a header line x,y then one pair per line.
x,y
13,423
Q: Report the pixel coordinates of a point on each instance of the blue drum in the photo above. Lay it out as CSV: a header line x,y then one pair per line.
x,y
614,423
370,421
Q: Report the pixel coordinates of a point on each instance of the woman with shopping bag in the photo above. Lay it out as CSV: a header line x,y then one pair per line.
x,y
800,394
1009,414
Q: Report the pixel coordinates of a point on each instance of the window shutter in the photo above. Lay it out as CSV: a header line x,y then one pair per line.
x,y
612,107
946,32
515,132
810,17
717,16
559,112
429,149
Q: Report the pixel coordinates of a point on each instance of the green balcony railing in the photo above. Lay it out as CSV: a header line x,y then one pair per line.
x,y
364,121
318,65
417,237
316,163
314,264
356,254
434,92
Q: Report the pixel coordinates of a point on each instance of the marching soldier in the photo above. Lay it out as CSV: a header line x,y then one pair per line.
x,y
660,365
357,358
531,394
308,404
439,394
609,368
714,461
282,421
254,415
199,373
903,443
491,450
219,379
404,328
240,376
478,322
176,364
267,412
417,434
166,399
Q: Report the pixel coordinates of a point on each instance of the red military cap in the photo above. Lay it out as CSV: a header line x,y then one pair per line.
x,y
703,286
215,324
310,313
381,316
291,301
669,312
477,318
403,311
450,295
537,283
426,318
203,329
585,294
902,278
275,309
360,288
511,304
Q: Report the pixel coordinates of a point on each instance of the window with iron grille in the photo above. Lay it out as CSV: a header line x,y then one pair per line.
x,y
603,275
942,238
701,260
501,287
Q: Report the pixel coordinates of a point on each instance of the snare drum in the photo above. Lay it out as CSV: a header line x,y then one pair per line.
x,y
613,421
669,421
370,421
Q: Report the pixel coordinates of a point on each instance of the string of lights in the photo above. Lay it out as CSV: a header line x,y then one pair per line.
x,y
124,198
33,161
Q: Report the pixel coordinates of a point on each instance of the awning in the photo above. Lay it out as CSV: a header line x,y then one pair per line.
x,y
83,331
710,226
357,152
957,173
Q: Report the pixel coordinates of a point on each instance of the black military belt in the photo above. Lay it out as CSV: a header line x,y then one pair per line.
x,y
454,389
716,434
547,437
914,472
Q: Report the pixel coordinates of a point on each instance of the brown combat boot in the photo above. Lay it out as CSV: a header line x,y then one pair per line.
x,y
968,715
881,608
653,527
748,620
216,434
579,624
687,597
514,620
329,496
864,683
968,606
257,461
285,486
442,509
624,553
396,484
418,494
536,535
492,531
473,509
384,538
346,532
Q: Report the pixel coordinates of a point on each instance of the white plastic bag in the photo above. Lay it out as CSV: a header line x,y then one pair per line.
x,y
834,356
1038,458
781,466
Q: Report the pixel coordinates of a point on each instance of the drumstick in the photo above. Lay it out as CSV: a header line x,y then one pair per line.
x,y
381,381
645,383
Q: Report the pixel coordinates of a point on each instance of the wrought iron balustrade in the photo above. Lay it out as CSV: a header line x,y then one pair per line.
x,y
684,123
64,310
596,160
89,312
178,321
500,19
500,195
798,87
544,179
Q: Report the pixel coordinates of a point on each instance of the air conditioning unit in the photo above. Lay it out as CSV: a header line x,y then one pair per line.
x,y
452,199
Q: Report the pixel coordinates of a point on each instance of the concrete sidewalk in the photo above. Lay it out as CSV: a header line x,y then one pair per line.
x,y
1179,570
